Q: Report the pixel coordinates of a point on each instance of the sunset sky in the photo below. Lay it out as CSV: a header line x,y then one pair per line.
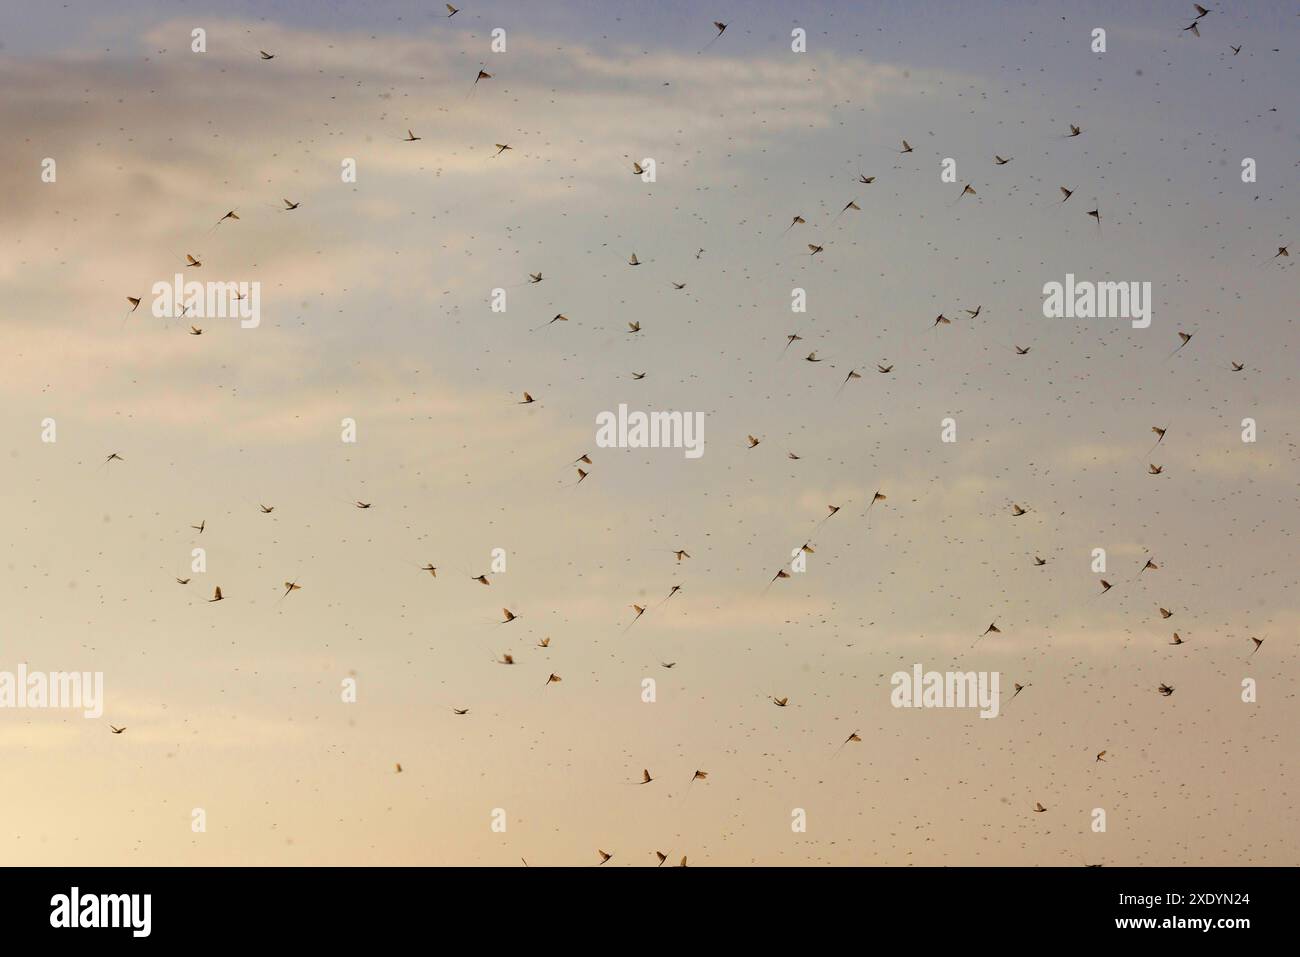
x,y
376,306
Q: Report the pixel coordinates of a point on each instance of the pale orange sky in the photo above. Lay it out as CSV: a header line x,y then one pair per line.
x,y
375,306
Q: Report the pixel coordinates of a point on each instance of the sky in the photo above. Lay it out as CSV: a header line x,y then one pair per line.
x,y
376,306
